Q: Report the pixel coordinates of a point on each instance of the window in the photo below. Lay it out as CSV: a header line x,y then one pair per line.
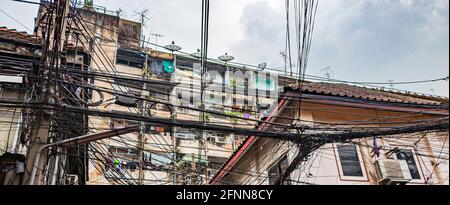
x,y
265,83
409,157
120,151
131,58
216,137
277,171
349,160
161,159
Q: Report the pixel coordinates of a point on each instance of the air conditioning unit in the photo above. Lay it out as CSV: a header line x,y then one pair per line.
x,y
72,179
392,172
220,140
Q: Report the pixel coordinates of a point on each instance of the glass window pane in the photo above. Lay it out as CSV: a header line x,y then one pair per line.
x,y
350,164
408,156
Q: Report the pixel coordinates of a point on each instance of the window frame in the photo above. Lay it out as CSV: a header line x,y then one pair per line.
x,y
416,160
342,177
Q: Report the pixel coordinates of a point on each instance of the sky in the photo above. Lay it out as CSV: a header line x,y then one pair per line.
x,y
361,40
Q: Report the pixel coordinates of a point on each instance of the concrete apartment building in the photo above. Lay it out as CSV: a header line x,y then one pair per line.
x,y
114,47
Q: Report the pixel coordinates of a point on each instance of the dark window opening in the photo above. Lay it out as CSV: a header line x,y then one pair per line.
x,y
412,166
277,171
130,58
350,163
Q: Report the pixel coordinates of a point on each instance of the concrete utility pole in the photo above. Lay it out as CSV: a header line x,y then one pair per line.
x,y
52,48
204,60
173,116
141,137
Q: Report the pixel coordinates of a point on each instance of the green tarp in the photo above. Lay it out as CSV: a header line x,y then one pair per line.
x,y
264,83
168,66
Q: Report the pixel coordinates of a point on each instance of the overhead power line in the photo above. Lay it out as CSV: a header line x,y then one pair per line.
x,y
17,21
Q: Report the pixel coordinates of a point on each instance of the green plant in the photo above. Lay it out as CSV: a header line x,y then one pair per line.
x,y
234,116
234,82
89,3
207,117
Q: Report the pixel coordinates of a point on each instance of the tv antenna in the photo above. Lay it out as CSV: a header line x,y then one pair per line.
x,y
119,12
157,36
328,72
391,83
143,17
284,56
432,91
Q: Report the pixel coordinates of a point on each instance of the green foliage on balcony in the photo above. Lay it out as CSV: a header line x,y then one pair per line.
x,y
234,114
88,3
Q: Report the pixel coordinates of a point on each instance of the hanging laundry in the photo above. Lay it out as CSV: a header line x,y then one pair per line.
x,y
157,67
168,66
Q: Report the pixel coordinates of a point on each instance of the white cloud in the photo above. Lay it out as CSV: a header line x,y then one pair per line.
x,y
362,40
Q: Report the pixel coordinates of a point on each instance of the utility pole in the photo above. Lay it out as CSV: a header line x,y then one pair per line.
x,y
47,88
204,58
174,141
141,136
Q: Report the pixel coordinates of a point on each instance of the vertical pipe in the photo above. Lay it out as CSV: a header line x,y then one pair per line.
x,y
14,145
10,127
55,170
172,130
142,125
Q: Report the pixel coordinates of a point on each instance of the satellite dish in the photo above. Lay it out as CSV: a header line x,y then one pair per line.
x,y
173,47
226,58
197,54
262,66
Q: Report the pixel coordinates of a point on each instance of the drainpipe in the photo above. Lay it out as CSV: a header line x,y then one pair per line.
x,y
36,162
55,171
